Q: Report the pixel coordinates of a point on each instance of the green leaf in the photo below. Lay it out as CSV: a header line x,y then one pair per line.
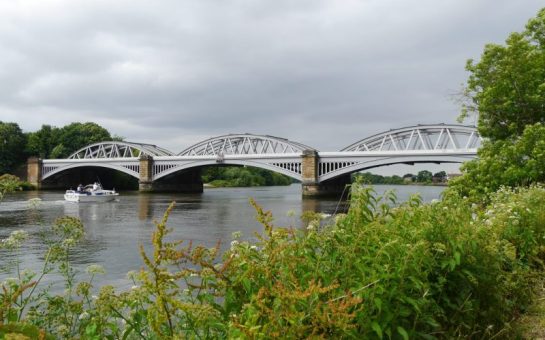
x,y
376,327
403,332
457,257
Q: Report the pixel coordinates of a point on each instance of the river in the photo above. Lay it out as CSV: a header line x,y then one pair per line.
x,y
114,230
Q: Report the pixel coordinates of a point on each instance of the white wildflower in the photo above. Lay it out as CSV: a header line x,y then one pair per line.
x,y
95,269
83,316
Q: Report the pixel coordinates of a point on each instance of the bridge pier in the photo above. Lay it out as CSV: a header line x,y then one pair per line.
x,y
34,171
187,181
310,181
145,183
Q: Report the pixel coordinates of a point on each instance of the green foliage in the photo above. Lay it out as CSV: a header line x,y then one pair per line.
x,y
242,177
11,141
371,178
507,86
441,175
424,176
8,184
53,142
440,270
512,162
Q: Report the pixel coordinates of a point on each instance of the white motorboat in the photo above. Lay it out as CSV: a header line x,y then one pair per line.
x,y
90,193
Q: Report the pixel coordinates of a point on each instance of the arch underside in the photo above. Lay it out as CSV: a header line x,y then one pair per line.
x,y
62,168
290,169
352,167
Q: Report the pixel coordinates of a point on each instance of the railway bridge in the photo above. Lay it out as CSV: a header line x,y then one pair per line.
x,y
320,173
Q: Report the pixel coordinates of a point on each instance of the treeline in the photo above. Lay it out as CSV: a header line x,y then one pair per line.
x,y
242,177
48,142
423,177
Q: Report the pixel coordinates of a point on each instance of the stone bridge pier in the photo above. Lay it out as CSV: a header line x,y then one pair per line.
x,y
311,185
185,181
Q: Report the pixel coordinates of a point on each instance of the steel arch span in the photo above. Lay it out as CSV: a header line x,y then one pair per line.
x,y
289,165
421,137
244,144
115,149
53,167
332,166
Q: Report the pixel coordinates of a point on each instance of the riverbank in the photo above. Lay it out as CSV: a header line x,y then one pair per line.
x,y
377,271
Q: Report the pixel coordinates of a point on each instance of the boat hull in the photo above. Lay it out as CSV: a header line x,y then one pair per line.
x,y
90,197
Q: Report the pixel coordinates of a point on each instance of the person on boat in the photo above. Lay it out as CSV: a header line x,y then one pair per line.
x,y
95,186
80,188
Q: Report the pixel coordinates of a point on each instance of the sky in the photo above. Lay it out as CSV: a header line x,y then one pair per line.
x,y
324,73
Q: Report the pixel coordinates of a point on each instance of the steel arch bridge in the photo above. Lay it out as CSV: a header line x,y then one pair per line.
x,y
440,143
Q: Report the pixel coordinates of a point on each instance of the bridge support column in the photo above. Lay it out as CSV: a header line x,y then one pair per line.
x,y
309,172
146,173
311,185
34,171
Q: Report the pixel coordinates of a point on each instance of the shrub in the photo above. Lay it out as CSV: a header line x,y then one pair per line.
x,y
411,270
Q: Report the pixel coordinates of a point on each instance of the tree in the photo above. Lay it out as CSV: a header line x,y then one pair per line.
x,y
441,175
77,135
53,142
12,141
506,163
40,143
507,86
424,176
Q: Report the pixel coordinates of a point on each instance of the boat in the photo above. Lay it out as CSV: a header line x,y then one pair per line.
x,y
90,193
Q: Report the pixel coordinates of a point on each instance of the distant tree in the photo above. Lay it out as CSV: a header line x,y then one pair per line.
x,y
409,177
424,176
507,86
441,176
53,142
77,135
12,142
41,142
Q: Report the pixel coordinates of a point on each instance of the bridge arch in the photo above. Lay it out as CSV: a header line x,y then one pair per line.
x,y
118,149
52,169
244,144
292,171
420,137
341,168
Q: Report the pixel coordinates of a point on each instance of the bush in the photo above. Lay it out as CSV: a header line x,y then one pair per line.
x,y
439,270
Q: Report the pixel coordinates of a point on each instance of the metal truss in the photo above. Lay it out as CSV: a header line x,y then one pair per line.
x,y
118,150
421,137
244,144
438,143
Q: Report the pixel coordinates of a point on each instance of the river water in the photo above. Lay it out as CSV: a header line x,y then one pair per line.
x,y
114,230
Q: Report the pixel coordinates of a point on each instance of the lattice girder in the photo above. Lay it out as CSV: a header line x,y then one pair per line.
x,y
421,137
115,149
244,144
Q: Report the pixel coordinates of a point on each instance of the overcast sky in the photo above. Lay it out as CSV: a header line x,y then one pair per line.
x,y
172,73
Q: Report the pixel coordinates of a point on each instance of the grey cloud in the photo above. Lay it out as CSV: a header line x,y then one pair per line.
x,y
325,73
